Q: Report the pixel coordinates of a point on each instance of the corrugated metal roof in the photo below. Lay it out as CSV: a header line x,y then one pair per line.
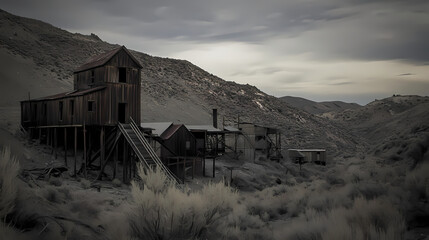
x,y
68,94
208,128
102,59
171,131
308,150
231,129
157,127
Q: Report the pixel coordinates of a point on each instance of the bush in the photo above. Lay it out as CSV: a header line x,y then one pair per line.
x,y
366,219
163,211
9,169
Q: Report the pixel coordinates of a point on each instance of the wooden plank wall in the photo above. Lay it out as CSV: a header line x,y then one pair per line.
x,y
106,101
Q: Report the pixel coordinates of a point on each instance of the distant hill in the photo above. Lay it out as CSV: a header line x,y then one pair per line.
x,y
318,107
40,58
396,127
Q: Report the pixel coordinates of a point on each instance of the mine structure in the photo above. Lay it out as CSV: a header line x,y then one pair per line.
x,y
99,117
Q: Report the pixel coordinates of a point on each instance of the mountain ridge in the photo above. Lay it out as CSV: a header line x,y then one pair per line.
x,y
318,107
172,90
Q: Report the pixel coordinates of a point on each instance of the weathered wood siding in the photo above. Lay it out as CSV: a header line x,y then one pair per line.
x,y
177,144
105,102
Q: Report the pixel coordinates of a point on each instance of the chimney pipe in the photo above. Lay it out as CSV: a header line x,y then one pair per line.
x,y
215,117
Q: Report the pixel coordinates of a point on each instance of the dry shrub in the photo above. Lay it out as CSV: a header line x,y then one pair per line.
x,y
366,219
116,182
373,219
163,211
9,169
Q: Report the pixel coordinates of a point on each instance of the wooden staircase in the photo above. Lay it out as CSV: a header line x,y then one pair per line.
x,y
143,150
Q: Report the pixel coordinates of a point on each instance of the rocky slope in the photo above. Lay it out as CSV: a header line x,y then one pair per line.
x,y
396,127
318,107
172,90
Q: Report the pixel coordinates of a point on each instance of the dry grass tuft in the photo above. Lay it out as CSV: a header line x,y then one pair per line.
x,y
163,211
9,169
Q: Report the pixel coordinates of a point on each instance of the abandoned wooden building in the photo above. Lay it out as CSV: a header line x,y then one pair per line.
x,y
258,141
317,156
176,146
99,116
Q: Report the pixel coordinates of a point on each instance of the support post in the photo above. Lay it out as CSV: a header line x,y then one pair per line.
x,y
85,158
65,146
124,162
102,150
184,169
115,161
55,143
214,160
75,150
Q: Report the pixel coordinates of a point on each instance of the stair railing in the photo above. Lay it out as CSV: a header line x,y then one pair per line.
x,y
133,145
152,153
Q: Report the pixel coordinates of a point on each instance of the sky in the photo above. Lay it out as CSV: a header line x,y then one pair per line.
x,y
348,50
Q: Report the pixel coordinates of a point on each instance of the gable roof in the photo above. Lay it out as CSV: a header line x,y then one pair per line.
x,y
171,131
208,128
102,59
157,127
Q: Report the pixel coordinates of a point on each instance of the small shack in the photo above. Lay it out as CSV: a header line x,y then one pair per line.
x,y
175,145
317,156
259,141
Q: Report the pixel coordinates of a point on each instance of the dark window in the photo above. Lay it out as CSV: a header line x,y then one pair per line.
x,y
61,111
45,112
122,75
72,107
122,112
92,76
91,106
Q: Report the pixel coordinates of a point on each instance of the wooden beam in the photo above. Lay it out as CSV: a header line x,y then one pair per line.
x,y
65,146
85,160
107,158
124,161
55,143
214,160
115,161
102,151
75,150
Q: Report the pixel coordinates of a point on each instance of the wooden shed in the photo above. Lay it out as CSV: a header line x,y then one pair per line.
x,y
259,141
301,156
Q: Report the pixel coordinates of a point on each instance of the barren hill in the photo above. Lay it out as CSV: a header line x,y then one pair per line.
x,y
40,59
318,107
396,127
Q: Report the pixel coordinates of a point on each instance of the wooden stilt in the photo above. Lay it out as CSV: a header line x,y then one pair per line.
x,y
184,169
55,143
124,161
48,140
85,159
75,150
65,146
115,161
193,168
102,150
40,135
204,166
214,169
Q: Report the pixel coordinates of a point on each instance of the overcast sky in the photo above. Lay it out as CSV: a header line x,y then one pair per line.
x,y
347,50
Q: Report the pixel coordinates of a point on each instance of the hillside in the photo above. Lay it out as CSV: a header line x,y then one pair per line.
x,y
396,127
40,59
318,107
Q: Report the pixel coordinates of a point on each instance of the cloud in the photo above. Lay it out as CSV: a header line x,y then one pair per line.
x,y
273,44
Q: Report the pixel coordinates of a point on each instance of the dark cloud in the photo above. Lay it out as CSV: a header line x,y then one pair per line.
x,y
331,29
